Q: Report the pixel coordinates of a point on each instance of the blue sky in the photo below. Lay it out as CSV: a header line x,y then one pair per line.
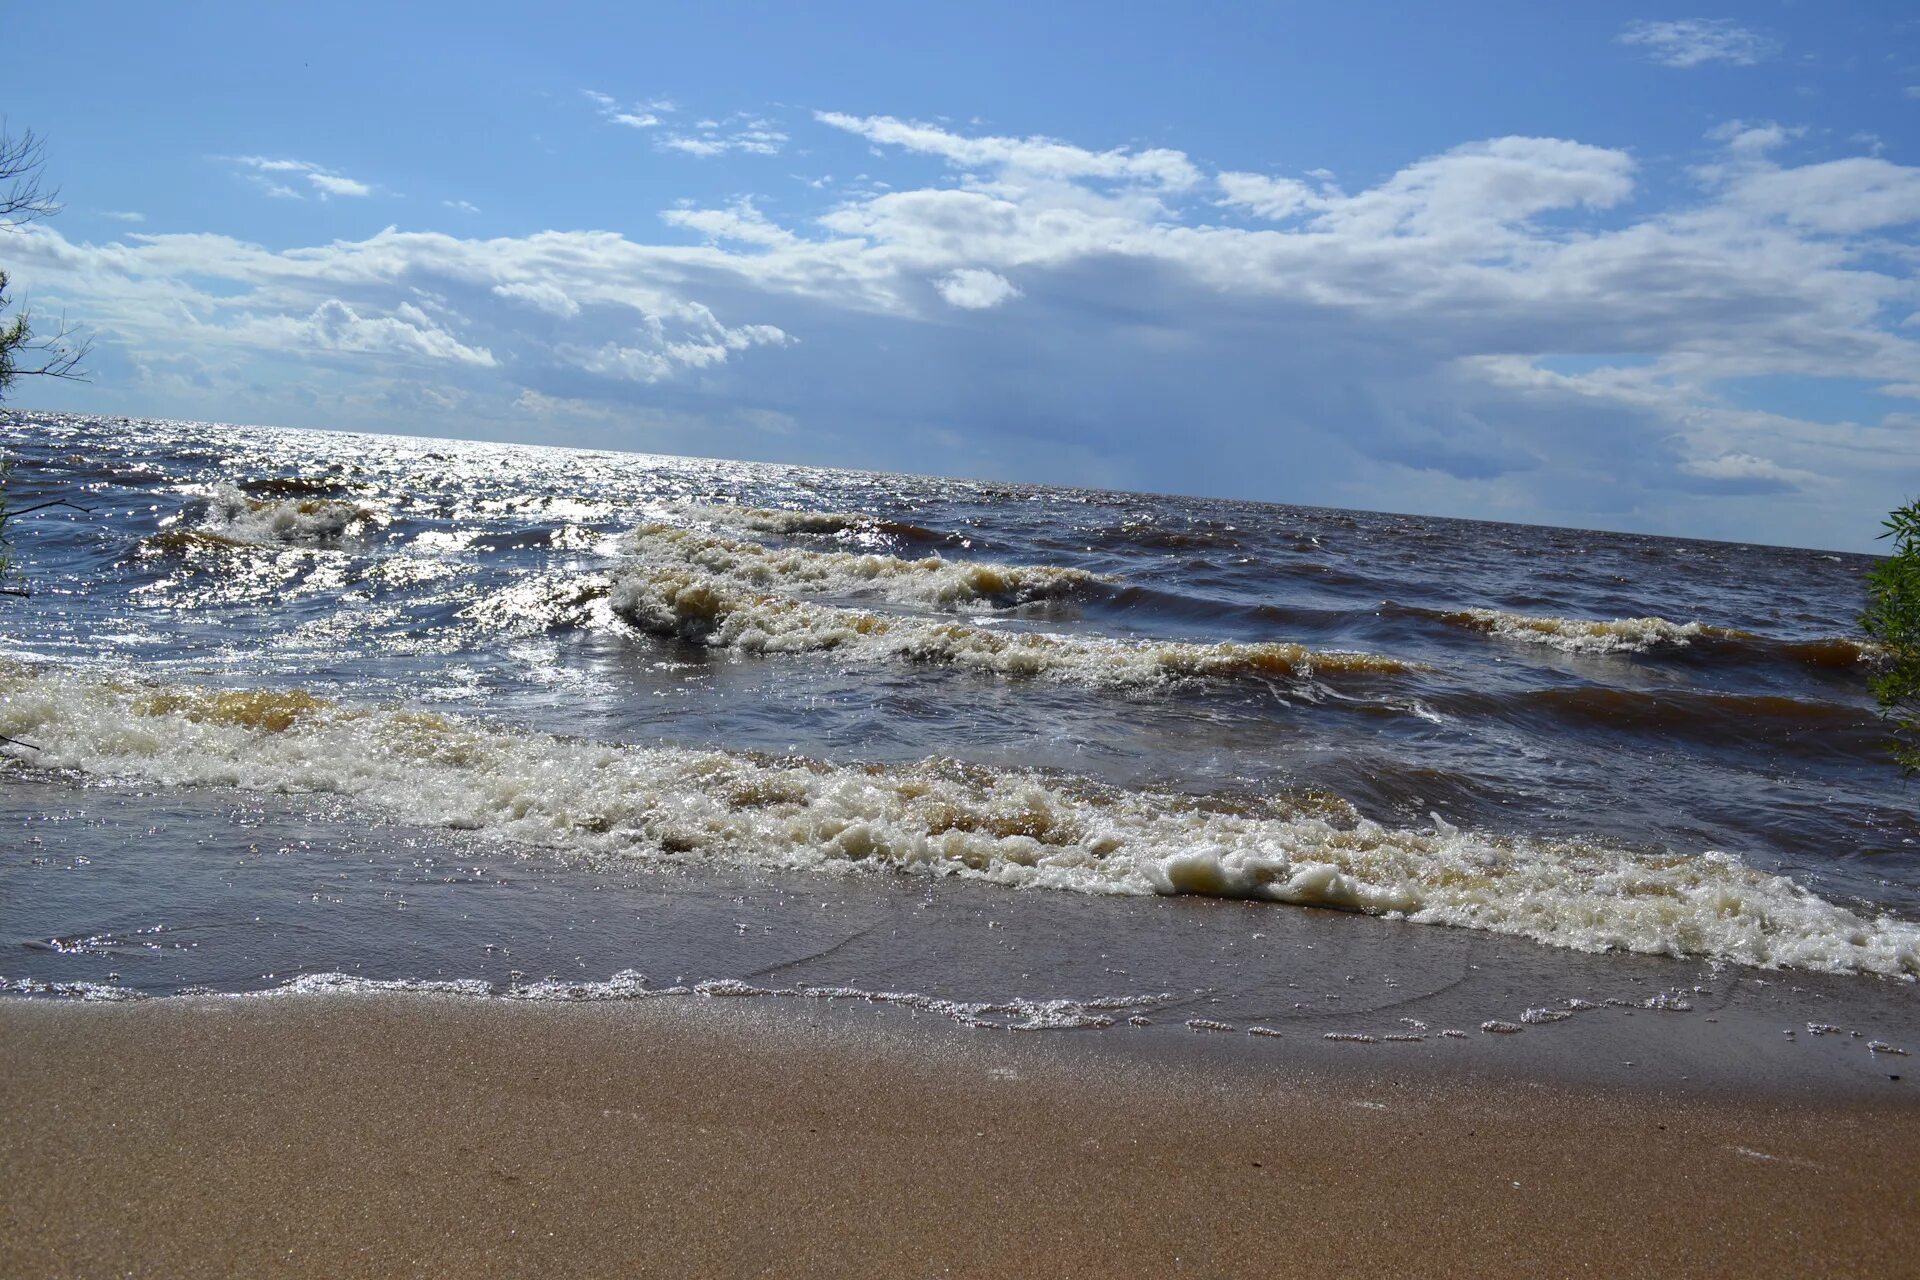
x,y
1616,267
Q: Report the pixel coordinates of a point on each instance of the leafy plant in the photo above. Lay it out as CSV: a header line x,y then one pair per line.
x,y
1892,617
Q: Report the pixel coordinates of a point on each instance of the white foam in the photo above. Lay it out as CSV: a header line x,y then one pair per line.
x,y
1016,1014
93,992
785,520
595,799
930,582
720,613
1582,635
307,522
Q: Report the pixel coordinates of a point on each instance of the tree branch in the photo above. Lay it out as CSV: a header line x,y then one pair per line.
x,y
23,200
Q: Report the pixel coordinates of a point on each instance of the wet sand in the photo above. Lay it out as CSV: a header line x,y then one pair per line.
x,y
400,1136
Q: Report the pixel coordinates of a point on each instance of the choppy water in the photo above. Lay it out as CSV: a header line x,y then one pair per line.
x,y
1595,742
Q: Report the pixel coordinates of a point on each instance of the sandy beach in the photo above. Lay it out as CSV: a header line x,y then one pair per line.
x,y
408,1136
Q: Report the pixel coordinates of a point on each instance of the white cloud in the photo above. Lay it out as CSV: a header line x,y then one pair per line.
x,y
539,296
743,222
1745,467
744,134
1692,42
335,326
974,289
332,184
464,206
1274,198
639,115
654,360
1400,345
325,182
1860,193
1036,155
1745,138
119,215
1483,185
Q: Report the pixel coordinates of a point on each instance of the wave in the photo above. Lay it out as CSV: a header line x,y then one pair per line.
x,y
931,581
788,522
722,593
1197,534
1744,722
1649,635
715,612
306,522
1015,1014
1577,635
296,487
604,800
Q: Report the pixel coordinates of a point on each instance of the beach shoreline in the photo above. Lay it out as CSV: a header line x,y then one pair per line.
x,y
413,1135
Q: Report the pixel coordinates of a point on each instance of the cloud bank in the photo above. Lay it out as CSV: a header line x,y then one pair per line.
x,y
1502,328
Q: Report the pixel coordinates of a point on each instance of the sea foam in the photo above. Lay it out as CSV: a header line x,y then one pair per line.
x,y
929,582
307,522
719,613
1654,635
606,800
1581,635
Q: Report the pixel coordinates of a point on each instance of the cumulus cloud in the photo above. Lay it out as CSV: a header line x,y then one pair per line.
x,y
1691,42
974,289
743,223
274,175
1269,197
1754,138
540,296
1860,193
335,326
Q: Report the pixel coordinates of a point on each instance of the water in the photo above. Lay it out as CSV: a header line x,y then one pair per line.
x,y
725,689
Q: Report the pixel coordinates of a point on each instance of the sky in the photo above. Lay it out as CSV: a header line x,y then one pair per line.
x,y
1601,265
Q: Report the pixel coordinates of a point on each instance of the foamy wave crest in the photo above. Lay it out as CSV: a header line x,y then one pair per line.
x,y
607,800
932,581
786,522
1580,635
718,613
307,522
1648,635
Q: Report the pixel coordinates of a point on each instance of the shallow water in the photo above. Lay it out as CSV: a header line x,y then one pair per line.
x,y
684,673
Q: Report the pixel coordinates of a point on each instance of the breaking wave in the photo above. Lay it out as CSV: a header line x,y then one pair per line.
x,y
717,613
1579,635
787,522
931,582
596,799
303,521
1649,635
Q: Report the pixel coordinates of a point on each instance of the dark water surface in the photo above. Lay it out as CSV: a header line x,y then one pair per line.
x,y
547,689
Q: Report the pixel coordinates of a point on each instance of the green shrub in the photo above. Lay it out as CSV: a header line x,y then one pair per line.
x,y
1893,619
